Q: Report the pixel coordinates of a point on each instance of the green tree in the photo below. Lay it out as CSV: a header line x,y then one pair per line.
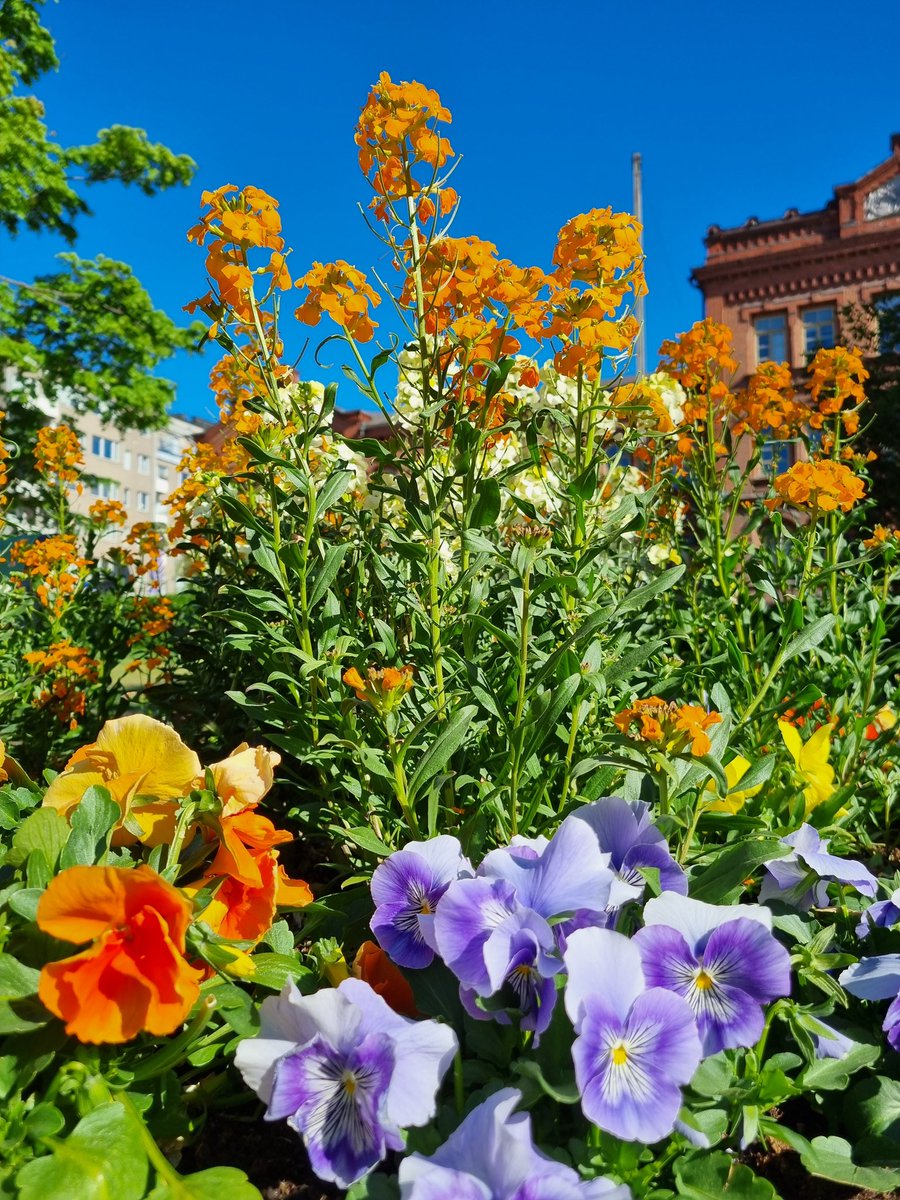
x,y
89,328
875,328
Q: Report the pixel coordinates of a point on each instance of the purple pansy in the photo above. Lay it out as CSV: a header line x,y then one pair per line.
x,y
801,878
883,914
346,1072
406,889
829,1042
878,979
491,1156
625,831
636,1046
724,961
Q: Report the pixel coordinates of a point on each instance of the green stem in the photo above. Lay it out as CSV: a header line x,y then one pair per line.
x,y
524,638
400,787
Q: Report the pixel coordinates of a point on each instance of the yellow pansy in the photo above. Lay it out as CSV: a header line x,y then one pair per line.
x,y
244,777
812,762
734,801
132,756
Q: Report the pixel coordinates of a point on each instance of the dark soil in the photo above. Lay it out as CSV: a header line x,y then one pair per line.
x,y
271,1155
782,1167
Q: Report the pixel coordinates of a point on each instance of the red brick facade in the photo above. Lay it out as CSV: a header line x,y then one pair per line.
x,y
774,283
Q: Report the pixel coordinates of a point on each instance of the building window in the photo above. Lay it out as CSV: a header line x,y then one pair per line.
x,y
168,445
126,459
778,457
144,464
143,499
771,338
162,471
818,329
126,496
104,447
105,489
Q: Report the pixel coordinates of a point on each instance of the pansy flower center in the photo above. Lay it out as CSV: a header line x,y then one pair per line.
x,y
619,1054
703,981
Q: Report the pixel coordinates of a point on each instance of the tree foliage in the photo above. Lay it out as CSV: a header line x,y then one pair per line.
x,y
89,328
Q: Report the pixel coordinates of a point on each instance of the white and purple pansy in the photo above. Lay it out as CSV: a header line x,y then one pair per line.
x,y
491,1156
636,1046
724,961
406,889
801,878
883,914
878,979
346,1072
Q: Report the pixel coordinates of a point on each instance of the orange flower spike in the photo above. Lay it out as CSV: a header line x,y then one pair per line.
x,y
374,967
670,727
342,291
384,689
821,484
133,978
57,454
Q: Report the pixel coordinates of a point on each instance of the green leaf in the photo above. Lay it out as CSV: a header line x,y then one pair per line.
x,y
16,980
274,970
325,575
529,1069
215,1183
809,637
832,1158
733,866
102,1159
440,751
44,830
363,837
716,1175
333,488
93,820
486,508
828,1074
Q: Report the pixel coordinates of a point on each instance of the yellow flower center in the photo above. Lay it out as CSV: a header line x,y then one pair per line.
x,y
619,1055
425,908
348,1082
703,981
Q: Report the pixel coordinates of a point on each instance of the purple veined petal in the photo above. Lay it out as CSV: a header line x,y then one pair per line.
x,y
527,848
424,1051
336,1101
671,877
727,1018
805,840
630,1072
600,962
469,911
790,882
493,1146
695,918
873,978
745,955
287,1021
571,873
407,888
882,914
843,870
521,969
891,1024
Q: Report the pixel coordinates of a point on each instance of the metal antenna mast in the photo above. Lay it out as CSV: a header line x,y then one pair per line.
x,y
638,206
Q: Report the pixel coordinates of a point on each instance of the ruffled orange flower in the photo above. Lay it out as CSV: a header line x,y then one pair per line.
x,y
244,777
382,688
374,967
253,882
671,727
340,291
136,759
133,977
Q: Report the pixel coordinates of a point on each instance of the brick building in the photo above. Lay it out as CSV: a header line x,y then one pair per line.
x,y
780,285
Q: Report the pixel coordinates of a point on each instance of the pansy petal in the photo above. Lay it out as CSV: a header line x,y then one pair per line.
x,y
694,918
873,978
600,962
745,955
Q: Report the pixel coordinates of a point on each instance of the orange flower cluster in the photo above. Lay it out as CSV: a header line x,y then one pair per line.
x,y
881,538
234,383
237,222
154,616
383,688
147,541
396,133
600,250
768,405
57,455
836,383
63,670
107,512
699,359
820,484
669,726
340,291
56,565
134,975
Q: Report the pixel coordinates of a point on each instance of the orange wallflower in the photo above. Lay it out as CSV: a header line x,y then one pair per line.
x,y
882,537
836,383
374,967
55,566
107,512
340,291
57,454
700,360
4,473
134,758
669,726
133,977
382,688
820,484
768,405
62,670
146,538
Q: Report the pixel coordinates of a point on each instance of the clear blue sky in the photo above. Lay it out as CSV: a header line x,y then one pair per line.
x,y
737,109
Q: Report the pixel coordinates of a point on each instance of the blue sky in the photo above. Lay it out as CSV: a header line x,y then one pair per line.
x,y
737,109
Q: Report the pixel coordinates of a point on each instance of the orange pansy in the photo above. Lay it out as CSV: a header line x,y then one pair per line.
x,y
133,977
